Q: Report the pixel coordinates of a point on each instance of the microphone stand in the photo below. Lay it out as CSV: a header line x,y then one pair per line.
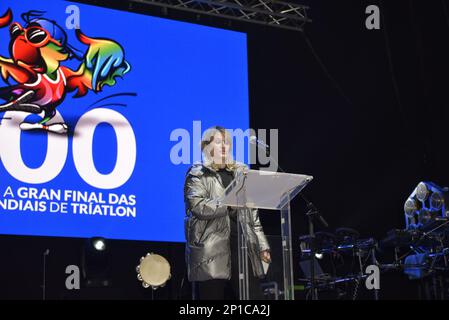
x,y
45,254
310,214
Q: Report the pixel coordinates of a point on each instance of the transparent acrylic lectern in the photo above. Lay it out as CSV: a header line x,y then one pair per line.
x,y
265,190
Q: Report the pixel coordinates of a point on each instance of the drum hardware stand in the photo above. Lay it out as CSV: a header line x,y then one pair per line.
x,y
375,263
311,214
371,253
360,276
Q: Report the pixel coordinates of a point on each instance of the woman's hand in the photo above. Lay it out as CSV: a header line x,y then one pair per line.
x,y
265,256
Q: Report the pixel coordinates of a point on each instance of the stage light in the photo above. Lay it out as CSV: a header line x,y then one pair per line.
x,y
427,202
436,201
411,207
95,262
425,217
422,192
99,244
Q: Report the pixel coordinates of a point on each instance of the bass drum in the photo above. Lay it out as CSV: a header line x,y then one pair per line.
x,y
153,271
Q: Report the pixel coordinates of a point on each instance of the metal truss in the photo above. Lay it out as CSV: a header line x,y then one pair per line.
x,y
271,13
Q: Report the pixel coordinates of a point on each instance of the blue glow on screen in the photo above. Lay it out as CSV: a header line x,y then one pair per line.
x,y
180,73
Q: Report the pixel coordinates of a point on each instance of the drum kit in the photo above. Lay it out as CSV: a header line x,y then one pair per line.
x,y
344,239
341,259
335,262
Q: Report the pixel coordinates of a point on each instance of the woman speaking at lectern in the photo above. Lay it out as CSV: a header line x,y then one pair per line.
x,y
211,228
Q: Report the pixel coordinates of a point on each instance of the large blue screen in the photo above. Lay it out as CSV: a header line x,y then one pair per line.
x,y
108,163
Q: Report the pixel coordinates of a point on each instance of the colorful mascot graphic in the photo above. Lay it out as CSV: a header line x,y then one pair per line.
x,y
37,50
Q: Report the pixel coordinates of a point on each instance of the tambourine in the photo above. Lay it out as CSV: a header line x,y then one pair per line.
x,y
153,271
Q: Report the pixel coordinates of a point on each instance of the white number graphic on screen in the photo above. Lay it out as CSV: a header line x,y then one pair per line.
x,y
82,148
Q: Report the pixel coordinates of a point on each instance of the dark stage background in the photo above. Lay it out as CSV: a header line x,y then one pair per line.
x,y
363,111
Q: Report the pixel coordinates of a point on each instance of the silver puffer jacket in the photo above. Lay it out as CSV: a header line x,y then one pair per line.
x,y
207,227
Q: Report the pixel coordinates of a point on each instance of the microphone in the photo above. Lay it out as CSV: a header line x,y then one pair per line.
x,y
46,252
259,143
